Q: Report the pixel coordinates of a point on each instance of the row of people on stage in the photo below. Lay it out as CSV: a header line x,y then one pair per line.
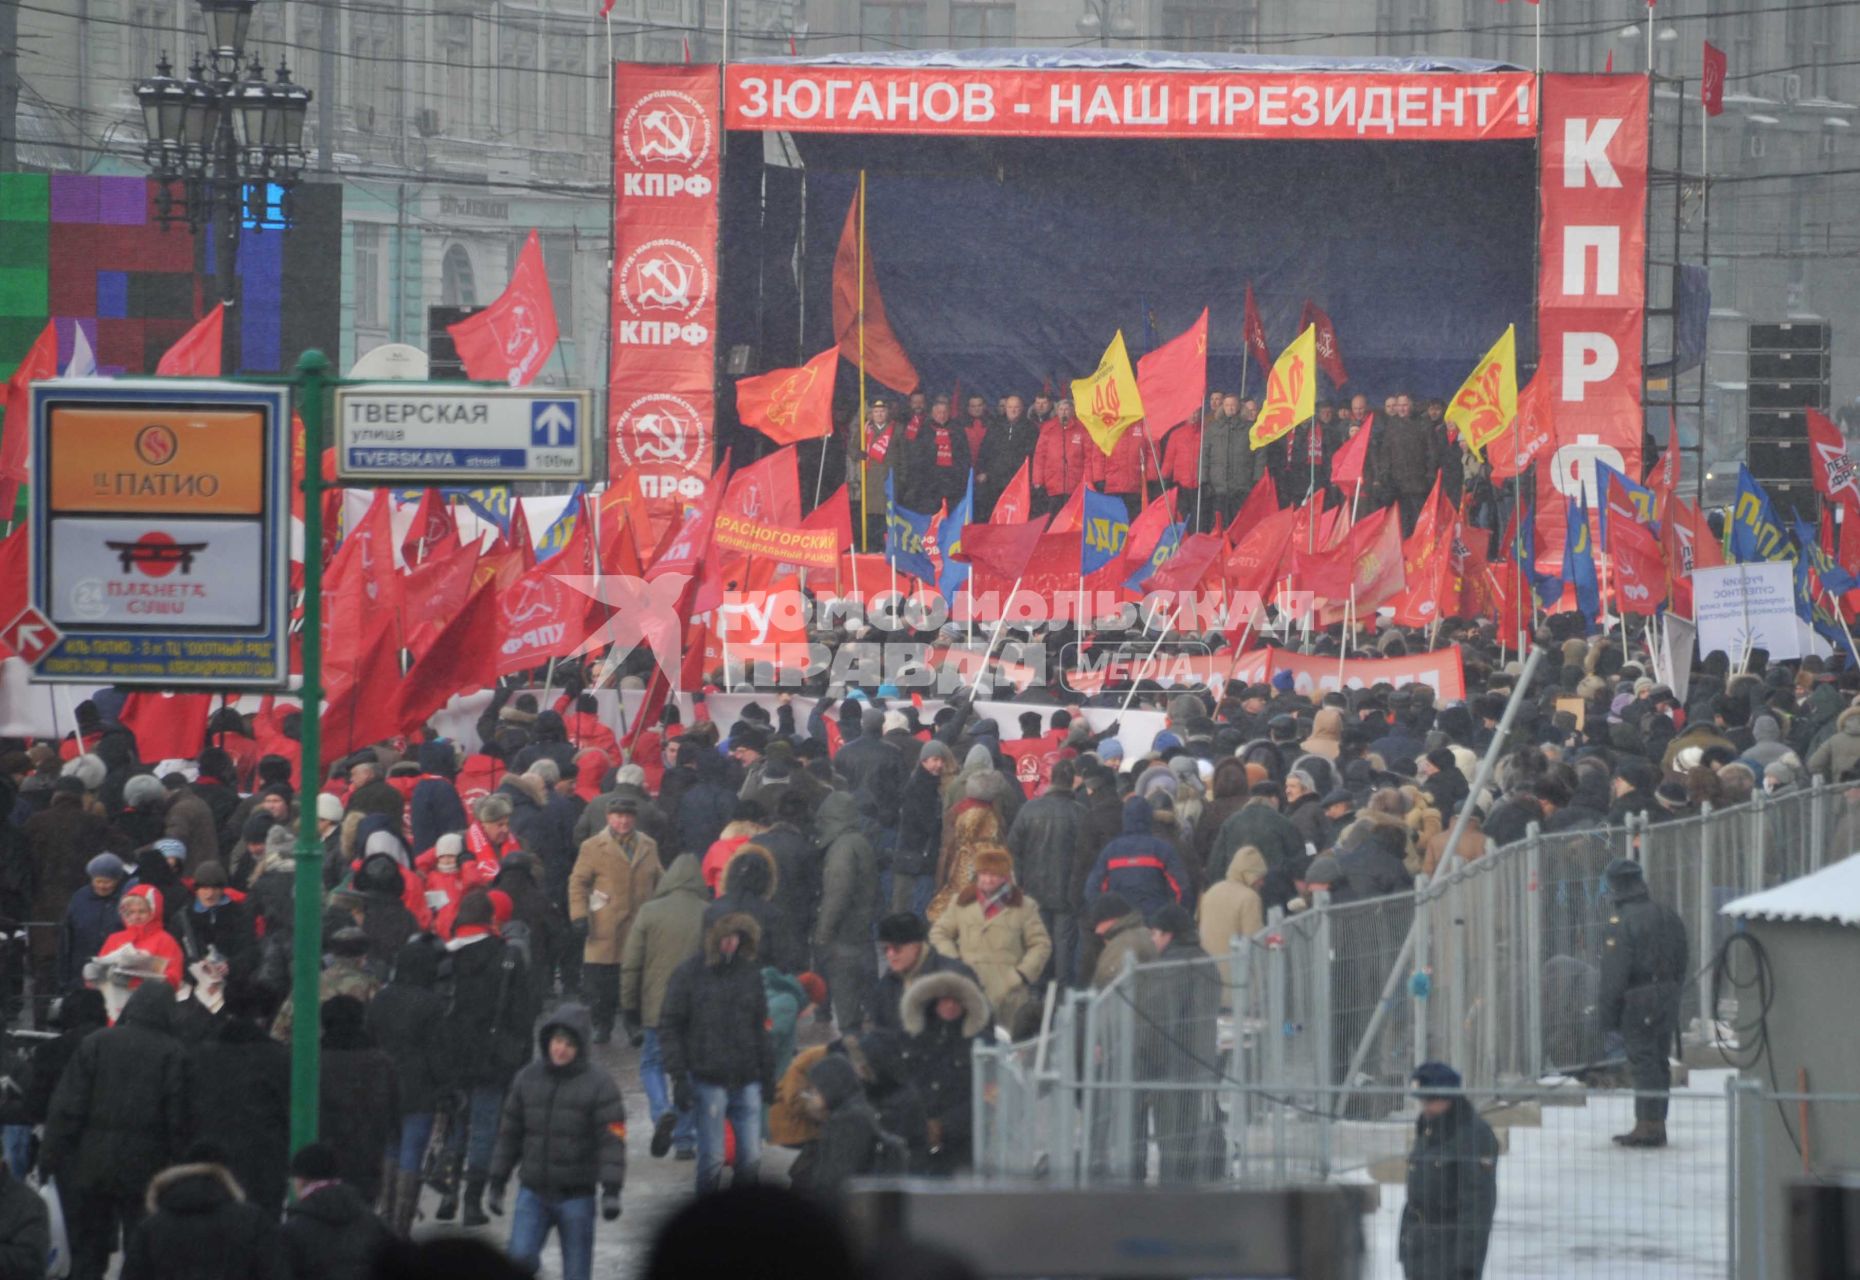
x,y
927,450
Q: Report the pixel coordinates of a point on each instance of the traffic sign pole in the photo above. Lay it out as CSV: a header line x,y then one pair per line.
x,y
307,938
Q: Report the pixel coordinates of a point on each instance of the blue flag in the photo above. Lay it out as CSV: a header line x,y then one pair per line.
x,y
1579,561
556,536
1756,533
1165,547
1106,525
907,538
949,540
1836,579
1548,586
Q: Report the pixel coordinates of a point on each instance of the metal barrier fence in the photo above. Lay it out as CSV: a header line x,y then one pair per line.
x,y
1282,1057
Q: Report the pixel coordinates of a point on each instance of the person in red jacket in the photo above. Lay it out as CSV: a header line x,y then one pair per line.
x,y
581,717
446,875
141,910
1128,469
975,424
1181,464
1061,461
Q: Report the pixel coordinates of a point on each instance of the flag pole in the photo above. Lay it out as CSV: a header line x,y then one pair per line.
x,y
1834,607
1201,451
1000,627
864,444
1137,679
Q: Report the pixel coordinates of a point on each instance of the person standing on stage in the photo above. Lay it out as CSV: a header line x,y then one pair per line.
x,y
1061,460
1009,443
932,462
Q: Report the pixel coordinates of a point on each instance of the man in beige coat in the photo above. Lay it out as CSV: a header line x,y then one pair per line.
x,y
615,873
996,930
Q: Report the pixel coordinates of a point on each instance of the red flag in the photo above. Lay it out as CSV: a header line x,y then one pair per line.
x,y
1663,478
836,514
1531,431
1711,80
882,353
541,618
433,529
767,491
1262,502
168,726
510,340
688,542
1330,358
1197,557
1346,465
1332,573
1001,550
1608,64
1836,477
13,573
462,658
623,527
1070,518
1253,564
520,540
790,404
41,362
1253,333
1639,568
432,594
362,707
1016,501
1172,380
197,352
1141,543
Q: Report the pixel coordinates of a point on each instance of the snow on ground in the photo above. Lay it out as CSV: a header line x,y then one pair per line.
x,y
1572,1203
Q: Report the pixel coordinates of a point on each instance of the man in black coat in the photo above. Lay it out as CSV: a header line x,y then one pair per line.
x,y
407,1019
1182,1004
359,1113
1049,841
1446,1223
713,1031
1644,957
242,1095
564,1133
873,769
200,1227
25,1230
904,940
330,1233
120,1115
211,920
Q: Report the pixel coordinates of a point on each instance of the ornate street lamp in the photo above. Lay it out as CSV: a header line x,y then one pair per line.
x,y
217,141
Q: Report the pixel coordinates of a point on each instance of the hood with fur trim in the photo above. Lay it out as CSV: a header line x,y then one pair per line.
x,y
914,1009
739,922
752,871
189,1189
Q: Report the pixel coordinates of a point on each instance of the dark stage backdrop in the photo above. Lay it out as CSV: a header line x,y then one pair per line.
x,y
1009,263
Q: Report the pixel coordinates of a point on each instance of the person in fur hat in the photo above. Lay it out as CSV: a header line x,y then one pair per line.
x,y
996,930
943,1014
199,1225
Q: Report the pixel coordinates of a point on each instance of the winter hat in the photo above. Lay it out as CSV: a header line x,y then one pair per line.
x,y
258,825
328,808
68,786
1323,870
475,908
1110,749
816,988
315,1162
105,864
1671,795
87,769
1111,906
1186,768
143,789
173,850
450,845
994,860
895,722
902,928
148,893
211,875
1174,920
1283,681
1435,1076
1622,873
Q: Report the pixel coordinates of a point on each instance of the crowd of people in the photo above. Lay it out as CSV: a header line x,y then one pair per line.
x,y
925,448
802,924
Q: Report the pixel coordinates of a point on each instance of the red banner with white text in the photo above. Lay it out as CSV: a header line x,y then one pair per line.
x,y
660,395
1086,103
1592,288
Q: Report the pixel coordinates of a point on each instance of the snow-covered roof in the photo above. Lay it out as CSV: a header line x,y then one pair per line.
x,y
1829,896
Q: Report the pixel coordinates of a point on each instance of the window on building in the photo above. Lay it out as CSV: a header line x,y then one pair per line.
x,y
517,80
1219,27
1741,47
368,276
458,286
1809,35
374,53
566,88
151,27
981,26
458,91
891,24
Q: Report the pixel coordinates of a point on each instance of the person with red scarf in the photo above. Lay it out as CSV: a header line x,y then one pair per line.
x,y
932,462
975,424
445,874
141,909
1061,459
488,839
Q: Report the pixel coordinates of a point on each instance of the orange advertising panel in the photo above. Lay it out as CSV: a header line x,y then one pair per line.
x,y
157,459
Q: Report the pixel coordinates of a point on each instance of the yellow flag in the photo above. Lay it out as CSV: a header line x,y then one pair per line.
x,y
1107,402
1487,402
1291,390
